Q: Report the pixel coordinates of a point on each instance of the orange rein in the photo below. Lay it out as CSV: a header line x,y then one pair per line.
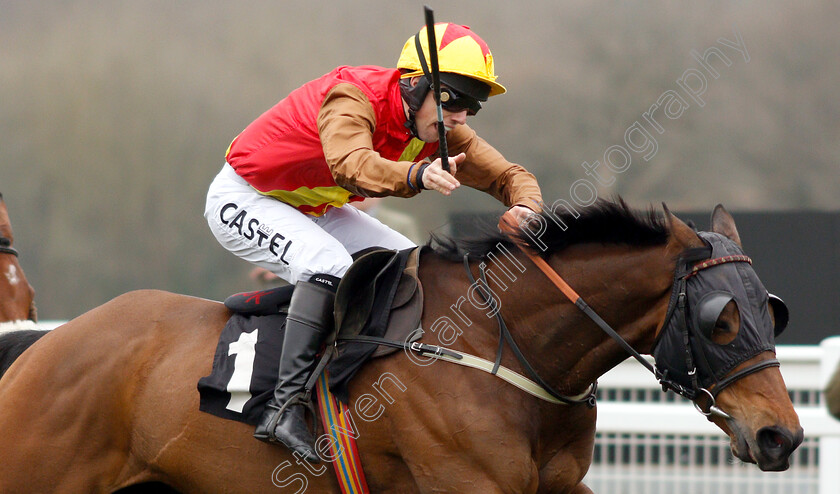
x,y
508,226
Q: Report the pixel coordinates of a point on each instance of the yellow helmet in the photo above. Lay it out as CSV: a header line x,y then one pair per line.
x,y
460,51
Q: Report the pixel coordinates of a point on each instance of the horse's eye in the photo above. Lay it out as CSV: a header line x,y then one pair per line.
x,y
717,317
727,324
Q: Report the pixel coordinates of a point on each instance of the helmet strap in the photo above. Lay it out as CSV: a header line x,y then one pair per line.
x,y
414,97
421,57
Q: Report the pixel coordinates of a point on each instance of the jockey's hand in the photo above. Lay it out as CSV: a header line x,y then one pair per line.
x,y
436,178
521,214
262,275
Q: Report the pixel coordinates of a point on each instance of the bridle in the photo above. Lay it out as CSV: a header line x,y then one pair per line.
x,y
695,261
6,247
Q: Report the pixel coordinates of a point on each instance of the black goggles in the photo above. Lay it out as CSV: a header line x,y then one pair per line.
x,y
453,101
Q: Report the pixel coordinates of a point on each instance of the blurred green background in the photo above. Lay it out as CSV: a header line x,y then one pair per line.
x,y
115,115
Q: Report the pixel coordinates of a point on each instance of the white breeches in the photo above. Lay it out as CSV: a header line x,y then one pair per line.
x,y
293,245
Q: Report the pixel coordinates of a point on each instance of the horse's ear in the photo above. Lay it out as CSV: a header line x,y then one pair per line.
x,y
723,223
680,233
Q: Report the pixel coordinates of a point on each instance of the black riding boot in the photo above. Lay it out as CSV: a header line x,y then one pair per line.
x,y
308,324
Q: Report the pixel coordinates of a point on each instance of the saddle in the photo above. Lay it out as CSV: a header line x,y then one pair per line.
x,y
379,299
380,295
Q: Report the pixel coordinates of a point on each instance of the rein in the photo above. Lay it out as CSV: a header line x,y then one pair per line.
x,y
537,386
506,224
6,247
587,397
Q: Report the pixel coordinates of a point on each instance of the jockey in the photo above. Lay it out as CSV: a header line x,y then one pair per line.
x,y
283,199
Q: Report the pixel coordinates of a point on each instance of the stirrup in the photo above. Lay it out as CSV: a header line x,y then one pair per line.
x,y
299,398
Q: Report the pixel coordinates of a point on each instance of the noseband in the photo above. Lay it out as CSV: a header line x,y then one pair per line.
x,y
695,260
6,247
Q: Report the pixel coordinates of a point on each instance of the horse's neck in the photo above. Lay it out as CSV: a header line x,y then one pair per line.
x,y
628,288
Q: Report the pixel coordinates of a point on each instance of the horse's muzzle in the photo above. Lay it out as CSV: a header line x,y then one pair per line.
x,y
775,445
771,448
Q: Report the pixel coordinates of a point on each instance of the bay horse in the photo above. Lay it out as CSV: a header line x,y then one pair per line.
x,y
17,297
832,394
109,401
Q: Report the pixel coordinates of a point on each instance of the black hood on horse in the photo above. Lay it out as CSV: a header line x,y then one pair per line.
x,y
709,279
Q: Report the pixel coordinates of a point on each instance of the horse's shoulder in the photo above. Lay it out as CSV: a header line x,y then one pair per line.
x,y
154,297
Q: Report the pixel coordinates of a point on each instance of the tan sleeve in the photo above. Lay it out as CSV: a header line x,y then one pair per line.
x,y
487,170
346,123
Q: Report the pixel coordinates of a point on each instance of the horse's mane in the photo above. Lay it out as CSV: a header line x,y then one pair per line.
x,y
605,222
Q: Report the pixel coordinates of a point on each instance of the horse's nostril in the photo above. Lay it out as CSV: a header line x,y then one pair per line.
x,y
775,445
775,441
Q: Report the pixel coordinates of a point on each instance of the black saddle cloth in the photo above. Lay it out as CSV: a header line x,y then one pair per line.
x,y
246,361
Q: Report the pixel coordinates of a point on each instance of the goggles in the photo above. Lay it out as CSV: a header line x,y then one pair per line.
x,y
453,101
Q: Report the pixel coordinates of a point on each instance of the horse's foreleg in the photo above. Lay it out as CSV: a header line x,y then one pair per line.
x,y
484,470
565,471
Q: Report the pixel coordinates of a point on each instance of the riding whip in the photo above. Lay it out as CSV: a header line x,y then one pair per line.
x,y
433,61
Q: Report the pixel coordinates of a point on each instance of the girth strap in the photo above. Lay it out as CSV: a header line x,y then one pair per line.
x,y
467,360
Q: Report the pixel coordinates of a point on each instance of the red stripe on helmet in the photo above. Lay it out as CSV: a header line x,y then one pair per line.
x,y
455,31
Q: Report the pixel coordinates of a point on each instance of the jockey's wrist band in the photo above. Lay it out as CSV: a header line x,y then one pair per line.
x,y
408,177
420,174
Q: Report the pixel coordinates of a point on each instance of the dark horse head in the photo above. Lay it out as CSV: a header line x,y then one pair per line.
x,y
17,297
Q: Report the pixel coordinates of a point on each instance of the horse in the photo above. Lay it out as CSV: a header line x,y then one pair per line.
x,y
832,394
108,401
17,297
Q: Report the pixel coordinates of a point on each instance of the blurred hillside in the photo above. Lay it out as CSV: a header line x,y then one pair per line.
x,y
115,115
